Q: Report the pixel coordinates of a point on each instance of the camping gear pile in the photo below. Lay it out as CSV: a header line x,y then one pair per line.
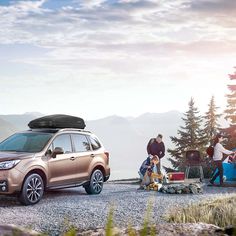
x,y
193,188
153,185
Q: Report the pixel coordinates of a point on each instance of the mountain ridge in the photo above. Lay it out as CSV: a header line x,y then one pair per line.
x,y
124,137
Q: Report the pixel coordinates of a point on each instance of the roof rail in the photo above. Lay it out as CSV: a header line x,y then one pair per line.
x,y
73,129
54,130
44,129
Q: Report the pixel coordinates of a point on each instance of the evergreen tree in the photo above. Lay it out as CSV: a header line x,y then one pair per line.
x,y
191,137
231,113
211,117
231,99
211,128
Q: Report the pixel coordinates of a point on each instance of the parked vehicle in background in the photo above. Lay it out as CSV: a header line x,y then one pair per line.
x,y
51,158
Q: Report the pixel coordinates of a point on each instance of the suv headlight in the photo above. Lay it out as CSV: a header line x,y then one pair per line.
x,y
5,165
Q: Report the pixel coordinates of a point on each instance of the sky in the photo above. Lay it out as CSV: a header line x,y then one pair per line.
x,y
97,58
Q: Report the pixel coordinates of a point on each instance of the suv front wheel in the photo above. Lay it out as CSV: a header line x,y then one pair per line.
x,y
32,190
95,184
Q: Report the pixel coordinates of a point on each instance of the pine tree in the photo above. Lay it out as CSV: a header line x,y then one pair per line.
x,y
231,113
211,117
211,128
231,99
191,137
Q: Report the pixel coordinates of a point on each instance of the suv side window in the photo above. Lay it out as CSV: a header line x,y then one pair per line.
x,y
94,142
64,142
81,143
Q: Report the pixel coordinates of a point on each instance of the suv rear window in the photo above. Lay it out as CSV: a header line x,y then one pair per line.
x,y
94,142
81,143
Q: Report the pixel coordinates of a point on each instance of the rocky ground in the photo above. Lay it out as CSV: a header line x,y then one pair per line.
x,y
59,210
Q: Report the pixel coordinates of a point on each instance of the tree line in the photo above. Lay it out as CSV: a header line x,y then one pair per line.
x,y
198,131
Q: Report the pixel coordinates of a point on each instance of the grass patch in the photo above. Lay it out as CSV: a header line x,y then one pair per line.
x,y
220,212
148,228
109,225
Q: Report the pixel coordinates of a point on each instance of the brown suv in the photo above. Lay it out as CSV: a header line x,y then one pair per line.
x,y
40,159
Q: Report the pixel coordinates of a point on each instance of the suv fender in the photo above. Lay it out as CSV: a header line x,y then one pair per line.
x,y
37,170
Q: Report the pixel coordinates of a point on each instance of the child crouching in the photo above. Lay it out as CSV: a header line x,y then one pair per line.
x,y
146,171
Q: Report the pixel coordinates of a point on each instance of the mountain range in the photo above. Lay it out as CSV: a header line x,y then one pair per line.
x,y
124,138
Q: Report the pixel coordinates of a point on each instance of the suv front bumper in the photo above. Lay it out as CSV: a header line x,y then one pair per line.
x,y
10,181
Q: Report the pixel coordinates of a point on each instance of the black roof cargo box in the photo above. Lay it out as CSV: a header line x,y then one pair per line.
x,y
57,121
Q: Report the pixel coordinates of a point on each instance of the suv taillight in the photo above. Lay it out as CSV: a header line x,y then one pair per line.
x,y
107,155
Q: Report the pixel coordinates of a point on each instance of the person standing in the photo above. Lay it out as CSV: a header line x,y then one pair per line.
x,y
156,147
219,150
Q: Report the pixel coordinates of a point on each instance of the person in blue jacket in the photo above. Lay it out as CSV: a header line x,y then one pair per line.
x,y
147,169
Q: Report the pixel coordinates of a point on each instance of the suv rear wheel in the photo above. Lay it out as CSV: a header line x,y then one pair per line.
x,y
32,190
95,184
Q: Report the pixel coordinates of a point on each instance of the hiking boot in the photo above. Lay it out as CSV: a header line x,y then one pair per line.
x,y
141,188
211,182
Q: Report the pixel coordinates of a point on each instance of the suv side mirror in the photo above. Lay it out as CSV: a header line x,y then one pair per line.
x,y
48,152
56,151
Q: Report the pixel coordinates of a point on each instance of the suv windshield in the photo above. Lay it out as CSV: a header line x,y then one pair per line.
x,y
25,142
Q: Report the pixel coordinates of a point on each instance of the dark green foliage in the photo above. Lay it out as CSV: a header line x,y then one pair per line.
x,y
231,100
211,128
211,117
190,137
231,112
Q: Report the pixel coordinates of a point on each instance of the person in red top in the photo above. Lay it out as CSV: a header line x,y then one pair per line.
x,y
156,147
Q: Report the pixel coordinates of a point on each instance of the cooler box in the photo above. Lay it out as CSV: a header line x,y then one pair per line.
x,y
176,177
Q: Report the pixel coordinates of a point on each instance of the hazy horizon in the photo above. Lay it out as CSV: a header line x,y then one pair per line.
x,y
124,138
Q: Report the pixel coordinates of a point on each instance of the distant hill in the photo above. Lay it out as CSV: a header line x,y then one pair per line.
x,y
6,129
20,122
126,138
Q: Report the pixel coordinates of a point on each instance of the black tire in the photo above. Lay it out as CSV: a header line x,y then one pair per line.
x,y
95,184
32,190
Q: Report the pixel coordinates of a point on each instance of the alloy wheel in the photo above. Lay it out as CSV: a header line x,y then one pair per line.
x,y
34,190
97,181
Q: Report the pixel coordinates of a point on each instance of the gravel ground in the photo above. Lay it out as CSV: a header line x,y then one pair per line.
x,y
73,207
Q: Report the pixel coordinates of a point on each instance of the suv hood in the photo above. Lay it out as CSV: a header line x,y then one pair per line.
x,y
7,156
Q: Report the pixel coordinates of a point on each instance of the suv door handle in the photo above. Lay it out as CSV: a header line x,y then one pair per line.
x,y
92,155
72,158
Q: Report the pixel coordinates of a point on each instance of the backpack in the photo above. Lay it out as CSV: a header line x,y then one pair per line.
x,y
210,151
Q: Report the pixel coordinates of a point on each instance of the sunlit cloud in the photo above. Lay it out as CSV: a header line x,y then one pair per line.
x,y
119,45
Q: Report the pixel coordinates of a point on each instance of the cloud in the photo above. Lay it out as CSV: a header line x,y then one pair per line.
x,y
116,37
213,5
214,12
106,22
